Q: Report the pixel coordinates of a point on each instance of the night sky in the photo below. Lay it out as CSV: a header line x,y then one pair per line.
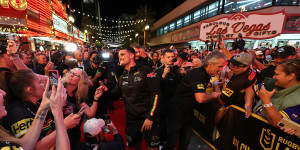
x,y
112,9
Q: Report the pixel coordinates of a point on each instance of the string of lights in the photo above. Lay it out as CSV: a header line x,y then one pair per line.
x,y
112,27
105,19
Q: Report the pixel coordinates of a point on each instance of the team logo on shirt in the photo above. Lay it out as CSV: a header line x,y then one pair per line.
x,y
252,75
200,86
21,127
228,92
151,75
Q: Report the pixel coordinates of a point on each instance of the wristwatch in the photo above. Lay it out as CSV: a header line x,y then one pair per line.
x,y
267,105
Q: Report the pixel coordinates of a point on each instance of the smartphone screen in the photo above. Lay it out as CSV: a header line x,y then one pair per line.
x,y
81,110
53,77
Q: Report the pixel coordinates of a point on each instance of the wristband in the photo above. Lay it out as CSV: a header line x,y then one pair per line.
x,y
95,100
267,105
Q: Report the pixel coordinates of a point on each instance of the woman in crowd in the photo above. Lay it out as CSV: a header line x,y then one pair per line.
x,y
29,140
155,63
77,84
28,88
276,104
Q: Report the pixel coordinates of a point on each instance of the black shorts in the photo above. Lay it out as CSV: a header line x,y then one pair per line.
x,y
134,134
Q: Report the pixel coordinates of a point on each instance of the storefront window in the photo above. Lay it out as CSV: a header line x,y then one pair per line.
x,y
213,9
161,31
232,6
197,16
166,29
287,2
157,33
187,20
179,24
172,26
202,14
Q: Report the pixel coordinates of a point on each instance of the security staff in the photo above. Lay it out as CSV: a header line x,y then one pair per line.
x,y
191,90
243,77
139,88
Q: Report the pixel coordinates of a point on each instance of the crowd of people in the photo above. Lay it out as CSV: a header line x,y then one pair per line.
x,y
159,88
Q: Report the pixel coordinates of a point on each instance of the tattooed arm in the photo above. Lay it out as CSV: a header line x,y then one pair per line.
x,y
29,140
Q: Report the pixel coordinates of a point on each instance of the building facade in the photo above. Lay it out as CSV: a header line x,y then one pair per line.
x,y
185,25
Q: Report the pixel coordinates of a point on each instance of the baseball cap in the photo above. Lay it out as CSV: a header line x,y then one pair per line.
x,y
285,51
259,53
93,126
243,58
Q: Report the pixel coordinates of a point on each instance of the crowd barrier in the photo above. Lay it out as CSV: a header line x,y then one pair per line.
x,y
238,132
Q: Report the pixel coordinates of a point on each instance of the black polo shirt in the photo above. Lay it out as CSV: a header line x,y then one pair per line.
x,y
234,91
183,102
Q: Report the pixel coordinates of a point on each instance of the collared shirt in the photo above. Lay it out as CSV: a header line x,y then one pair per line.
x,y
183,102
140,88
234,91
80,65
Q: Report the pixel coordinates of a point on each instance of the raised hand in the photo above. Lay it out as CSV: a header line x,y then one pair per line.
x,y
58,97
265,95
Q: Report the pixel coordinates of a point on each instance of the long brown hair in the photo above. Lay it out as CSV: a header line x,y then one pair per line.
x,y
19,81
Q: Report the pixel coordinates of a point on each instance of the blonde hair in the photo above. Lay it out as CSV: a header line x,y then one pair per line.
x,y
81,92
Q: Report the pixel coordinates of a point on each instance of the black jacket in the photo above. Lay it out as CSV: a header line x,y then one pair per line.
x,y
140,89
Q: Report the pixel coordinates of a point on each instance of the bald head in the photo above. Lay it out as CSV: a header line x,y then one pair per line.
x,y
78,55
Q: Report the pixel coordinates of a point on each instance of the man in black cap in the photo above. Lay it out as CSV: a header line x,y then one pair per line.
x,y
243,77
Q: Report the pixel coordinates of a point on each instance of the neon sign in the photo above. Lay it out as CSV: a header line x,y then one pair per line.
x,y
15,4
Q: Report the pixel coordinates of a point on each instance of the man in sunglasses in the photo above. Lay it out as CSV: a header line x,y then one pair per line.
x,y
243,77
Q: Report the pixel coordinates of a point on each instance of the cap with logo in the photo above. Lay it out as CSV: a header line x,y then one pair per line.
x,y
242,58
93,126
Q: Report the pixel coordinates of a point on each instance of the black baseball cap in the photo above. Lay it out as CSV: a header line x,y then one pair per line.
x,y
284,52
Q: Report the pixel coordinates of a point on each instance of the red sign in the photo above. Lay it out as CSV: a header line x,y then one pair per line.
x,y
251,26
292,23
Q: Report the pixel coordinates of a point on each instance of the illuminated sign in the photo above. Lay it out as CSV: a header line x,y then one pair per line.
x,y
81,35
251,26
15,4
75,32
59,24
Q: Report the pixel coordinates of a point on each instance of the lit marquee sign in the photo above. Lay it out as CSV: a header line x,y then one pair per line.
x,y
15,4
81,35
251,26
59,24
